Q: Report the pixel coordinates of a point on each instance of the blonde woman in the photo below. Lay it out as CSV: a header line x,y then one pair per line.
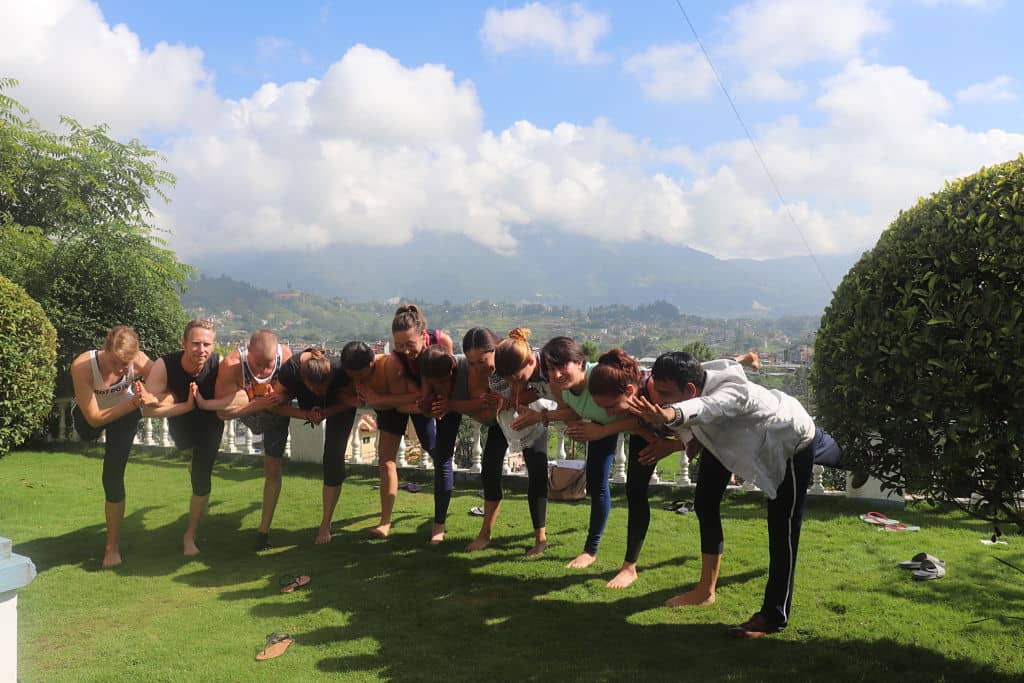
x,y
108,396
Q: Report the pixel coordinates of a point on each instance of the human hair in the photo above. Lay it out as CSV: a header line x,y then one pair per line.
x,y
356,356
122,343
513,353
263,342
678,367
561,351
436,363
317,368
479,338
196,322
616,370
408,317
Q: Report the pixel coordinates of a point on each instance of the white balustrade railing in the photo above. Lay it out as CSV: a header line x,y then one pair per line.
x,y
155,432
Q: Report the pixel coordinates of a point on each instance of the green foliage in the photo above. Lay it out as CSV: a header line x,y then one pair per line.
x,y
698,350
591,350
28,350
918,363
77,232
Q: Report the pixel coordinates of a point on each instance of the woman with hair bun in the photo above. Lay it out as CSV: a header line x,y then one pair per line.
x,y
569,375
108,396
404,400
519,380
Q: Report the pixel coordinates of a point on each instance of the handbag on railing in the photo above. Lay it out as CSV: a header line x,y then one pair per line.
x,y
567,478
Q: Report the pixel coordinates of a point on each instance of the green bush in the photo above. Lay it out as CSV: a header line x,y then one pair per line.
x,y
919,362
28,365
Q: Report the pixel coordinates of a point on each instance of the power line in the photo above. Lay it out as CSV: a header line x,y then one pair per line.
x,y
753,144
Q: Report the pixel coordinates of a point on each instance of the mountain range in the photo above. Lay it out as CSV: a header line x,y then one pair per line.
x,y
550,268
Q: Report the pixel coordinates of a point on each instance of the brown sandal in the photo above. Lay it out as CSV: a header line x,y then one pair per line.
x,y
277,644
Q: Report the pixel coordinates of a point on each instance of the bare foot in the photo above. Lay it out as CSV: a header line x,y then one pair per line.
x,y
698,597
625,578
538,549
437,534
191,549
381,531
111,558
582,561
323,536
478,543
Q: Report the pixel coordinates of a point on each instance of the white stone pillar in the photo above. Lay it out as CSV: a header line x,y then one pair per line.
x,y
504,462
619,468
478,450
147,431
355,447
249,441
400,460
817,475
16,571
165,433
228,444
560,431
683,475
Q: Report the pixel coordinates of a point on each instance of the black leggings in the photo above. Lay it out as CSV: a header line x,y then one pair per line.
x,y
447,432
785,517
204,453
120,437
337,430
638,482
536,469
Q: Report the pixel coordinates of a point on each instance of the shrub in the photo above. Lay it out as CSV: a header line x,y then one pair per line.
x,y
919,359
28,357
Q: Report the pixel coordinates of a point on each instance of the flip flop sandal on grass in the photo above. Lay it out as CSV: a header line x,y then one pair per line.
x,y
276,645
476,511
877,518
898,526
676,505
289,582
928,571
916,560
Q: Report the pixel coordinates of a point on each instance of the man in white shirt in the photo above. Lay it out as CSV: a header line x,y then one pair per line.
x,y
764,436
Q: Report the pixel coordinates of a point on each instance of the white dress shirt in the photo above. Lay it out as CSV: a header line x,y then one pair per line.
x,y
753,431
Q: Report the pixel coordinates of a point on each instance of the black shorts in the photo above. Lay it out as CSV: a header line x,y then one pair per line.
x,y
392,421
273,428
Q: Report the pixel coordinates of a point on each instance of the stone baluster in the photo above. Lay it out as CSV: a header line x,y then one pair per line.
x,y
683,475
288,447
355,449
619,468
655,479
817,479
400,460
504,462
147,431
560,432
165,433
748,486
478,450
228,445
249,441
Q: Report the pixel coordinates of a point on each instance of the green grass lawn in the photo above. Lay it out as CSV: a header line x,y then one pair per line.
x,y
403,610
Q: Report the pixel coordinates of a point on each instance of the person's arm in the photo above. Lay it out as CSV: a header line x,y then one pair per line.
x,y
444,340
658,449
562,413
160,401
81,377
592,431
143,365
228,395
398,396
750,359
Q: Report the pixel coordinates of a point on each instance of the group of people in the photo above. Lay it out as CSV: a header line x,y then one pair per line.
x,y
709,409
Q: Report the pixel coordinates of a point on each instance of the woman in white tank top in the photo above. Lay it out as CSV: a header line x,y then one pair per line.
x,y
108,395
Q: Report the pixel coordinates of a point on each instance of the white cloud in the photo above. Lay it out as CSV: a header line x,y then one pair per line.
x,y
974,4
772,34
672,73
768,84
70,61
999,89
570,32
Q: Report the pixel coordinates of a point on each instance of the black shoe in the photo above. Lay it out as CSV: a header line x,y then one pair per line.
x,y
263,542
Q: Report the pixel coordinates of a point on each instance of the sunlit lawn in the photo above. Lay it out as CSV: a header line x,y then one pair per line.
x,y
402,610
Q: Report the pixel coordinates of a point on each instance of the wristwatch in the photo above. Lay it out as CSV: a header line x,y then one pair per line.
x,y
677,420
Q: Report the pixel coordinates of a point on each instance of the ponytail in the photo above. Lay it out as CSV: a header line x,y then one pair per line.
x,y
512,354
408,317
317,368
356,356
436,363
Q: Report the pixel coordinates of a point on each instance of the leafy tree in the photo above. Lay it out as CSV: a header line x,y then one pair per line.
x,y
77,232
591,350
699,350
28,348
918,363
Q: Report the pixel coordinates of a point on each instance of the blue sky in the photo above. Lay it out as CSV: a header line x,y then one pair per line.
x,y
592,118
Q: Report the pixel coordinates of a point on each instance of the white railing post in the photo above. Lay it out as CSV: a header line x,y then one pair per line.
x,y
683,475
16,571
504,462
165,433
250,446
560,431
147,431
817,477
478,450
355,447
288,446
400,460
619,470
228,443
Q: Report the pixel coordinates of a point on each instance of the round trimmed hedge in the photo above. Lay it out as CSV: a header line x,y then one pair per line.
x,y
28,365
919,361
